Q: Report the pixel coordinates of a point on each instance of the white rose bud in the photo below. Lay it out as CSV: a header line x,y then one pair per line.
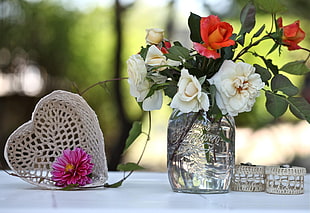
x,y
154,36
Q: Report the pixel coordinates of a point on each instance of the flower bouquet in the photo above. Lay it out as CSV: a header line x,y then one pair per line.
x,y
209,84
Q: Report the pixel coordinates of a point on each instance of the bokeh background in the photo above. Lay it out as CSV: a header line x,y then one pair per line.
x,y
71,44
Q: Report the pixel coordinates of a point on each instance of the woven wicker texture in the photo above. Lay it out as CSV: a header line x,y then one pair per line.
x,y
248,179
285,180
61,120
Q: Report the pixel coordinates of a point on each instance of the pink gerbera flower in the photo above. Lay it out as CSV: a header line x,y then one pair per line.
x,y
73,167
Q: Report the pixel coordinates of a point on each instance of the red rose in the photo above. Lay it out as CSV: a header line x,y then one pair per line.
x,y
292,34
215,35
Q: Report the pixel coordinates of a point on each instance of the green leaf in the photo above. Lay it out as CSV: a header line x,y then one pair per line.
x,y
171,90
295,68
129,167
178,53
283,84
273,48
276,105
173,57
212,93
241,39
214,110
264,73
134,132
177,43
268,62
202,79
194,26
271,6
259,32
300,108
247,18
70,187
227,52
224,138
144,51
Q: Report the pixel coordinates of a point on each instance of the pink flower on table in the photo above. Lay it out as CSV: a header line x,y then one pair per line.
x,y
73,167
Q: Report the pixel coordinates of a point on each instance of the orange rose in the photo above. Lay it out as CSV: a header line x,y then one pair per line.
x,y
292,34
215,35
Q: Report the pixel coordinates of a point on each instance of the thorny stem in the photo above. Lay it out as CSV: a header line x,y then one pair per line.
x,y
148,137
273,17
245,50
140,158
305,50
100,83
307,57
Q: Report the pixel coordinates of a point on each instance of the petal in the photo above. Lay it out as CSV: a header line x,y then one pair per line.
x,y
173,63
239,101
202,50
279,22
207,25
154,56
291,30
184,106
226,43
153,102
204,101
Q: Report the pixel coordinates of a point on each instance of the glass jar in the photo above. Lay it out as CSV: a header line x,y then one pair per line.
x,y
201,152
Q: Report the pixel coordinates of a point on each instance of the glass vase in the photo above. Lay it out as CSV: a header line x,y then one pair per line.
x,y
201,152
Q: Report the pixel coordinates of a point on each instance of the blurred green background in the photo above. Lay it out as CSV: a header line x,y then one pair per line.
x,y
71,44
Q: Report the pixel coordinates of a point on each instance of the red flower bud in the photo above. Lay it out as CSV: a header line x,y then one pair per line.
x,y
292,34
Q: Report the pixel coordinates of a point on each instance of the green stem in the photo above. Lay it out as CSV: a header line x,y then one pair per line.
x,y
246,49
119,183
305,50
100,83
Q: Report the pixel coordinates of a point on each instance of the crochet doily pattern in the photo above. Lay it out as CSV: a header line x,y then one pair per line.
x,y
248,178
286,181
61,120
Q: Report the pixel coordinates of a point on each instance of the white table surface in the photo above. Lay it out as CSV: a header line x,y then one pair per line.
x,y
142,192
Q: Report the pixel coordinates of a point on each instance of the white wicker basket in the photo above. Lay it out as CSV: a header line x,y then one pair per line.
x,y
286,181
61,120
248,178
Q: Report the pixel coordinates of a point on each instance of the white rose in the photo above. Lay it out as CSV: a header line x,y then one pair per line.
x,y
154,35
154,102
237,87
155,57
189,97
140,86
